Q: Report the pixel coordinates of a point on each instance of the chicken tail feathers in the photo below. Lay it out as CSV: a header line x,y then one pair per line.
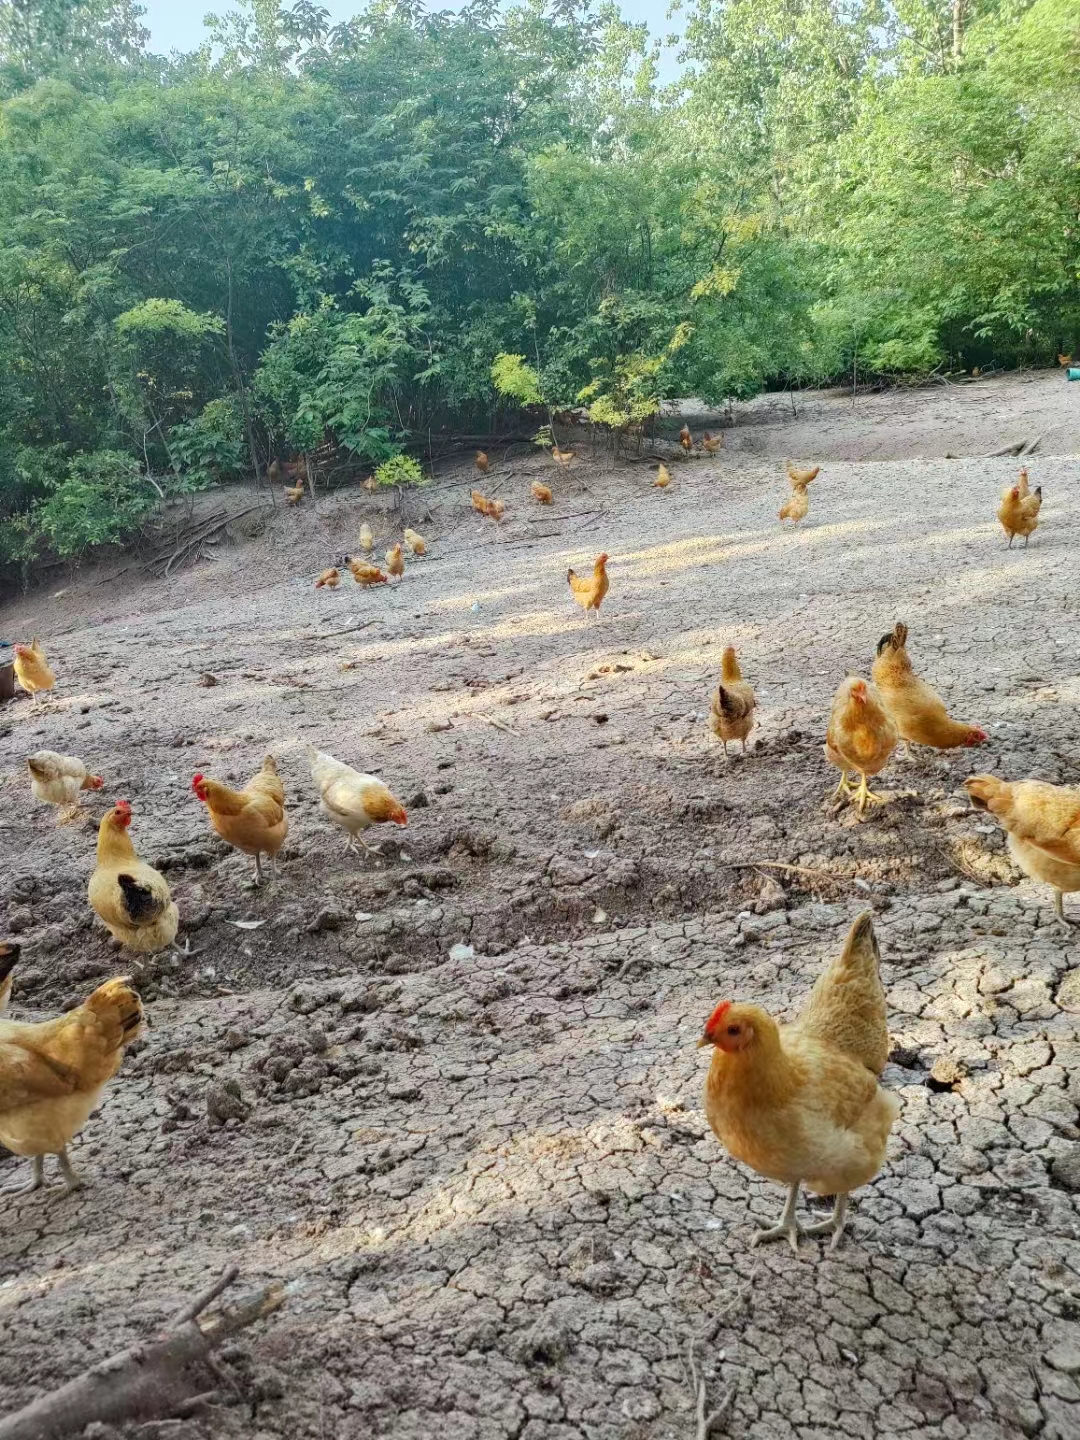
x,y
140,902
846,1008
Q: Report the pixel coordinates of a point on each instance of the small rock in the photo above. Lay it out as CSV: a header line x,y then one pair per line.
x,y
945,1074
235,1039
225,1102
1065,1169
206,680
461,952
418,801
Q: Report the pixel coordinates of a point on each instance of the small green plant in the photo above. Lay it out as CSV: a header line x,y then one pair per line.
x,y
400,470
516,380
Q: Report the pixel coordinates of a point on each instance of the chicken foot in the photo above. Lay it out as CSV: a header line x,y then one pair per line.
x,y
1059,909
844,787
788,1226
864,796
72,1181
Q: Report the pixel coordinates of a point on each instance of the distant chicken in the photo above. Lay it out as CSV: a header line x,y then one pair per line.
x,y
542,493
493,509
129,896
483,464
371,484
59,779
293,494
251,820
352,800
589,592
365,574
284,470
562,457
416,543
920,716
32,669
797,506
53,1075
1065,359
365,539
1019,513
712,443
861,738
395,561
1043,825
802,477
801,1103
686,440
329,579
731,716
663,478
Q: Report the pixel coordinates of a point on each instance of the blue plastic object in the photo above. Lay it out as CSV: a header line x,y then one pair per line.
x,y
1073,372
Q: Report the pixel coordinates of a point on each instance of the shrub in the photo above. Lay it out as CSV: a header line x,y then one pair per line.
x,y
400,470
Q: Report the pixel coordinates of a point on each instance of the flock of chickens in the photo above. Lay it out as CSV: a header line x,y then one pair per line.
x,y
800,1104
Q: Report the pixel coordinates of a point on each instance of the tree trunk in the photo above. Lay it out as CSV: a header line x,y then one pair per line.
x,y
957,31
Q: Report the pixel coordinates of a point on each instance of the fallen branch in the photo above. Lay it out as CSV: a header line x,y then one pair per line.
x,y
330,634
499,724
148,1381
1030,447
706,1420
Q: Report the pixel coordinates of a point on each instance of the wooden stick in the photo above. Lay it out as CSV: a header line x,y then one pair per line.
x,y
149,1380
499,724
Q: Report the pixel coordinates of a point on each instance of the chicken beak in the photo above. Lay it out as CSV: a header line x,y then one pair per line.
x,y
700,1044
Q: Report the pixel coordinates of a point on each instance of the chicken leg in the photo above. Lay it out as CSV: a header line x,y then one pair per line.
x,y
787,1227
71,1180
844,787
864,796
36,1181
834,1225
1059,908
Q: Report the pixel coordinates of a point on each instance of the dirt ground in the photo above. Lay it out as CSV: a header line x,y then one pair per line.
x,y
484,1173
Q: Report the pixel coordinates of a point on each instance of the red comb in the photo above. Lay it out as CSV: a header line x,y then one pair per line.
x,y
123,804
717,1015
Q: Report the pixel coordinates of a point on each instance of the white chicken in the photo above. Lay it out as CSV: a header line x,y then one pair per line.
x,y
353,800
59,779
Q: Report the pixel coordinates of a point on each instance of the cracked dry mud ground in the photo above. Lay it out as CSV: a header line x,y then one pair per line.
x,y
488,1181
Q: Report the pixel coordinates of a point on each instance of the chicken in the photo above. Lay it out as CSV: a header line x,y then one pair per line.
x,y
919,714
9,955
365,574
365,539
329,579
52,1075
251,820
663,478
801,478
1042,822
1018,513
686,440
353,800
279,471
861,737
483,464
731,716
589,593
542,493
801,1103
32,669
293,494
129,896
711,443
797,506
371,484
562,457
59,779
493,509
1064,360
395,561
416,543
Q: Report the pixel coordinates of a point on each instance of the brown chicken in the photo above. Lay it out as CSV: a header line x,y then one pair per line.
x,y
712,443
542,493
365,539
919,714
483,464
52,1075
252,820
861,737
562,457
731,716
395,561
329,579
663,478
1064,359
416,543
129,896
493,509
365,574
282,470
293,494
797,506
801,477
801,1103
686,440
371,484
1042,822
32,669
590,592
1019,513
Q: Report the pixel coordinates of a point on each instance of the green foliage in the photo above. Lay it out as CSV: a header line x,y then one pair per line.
x,y
367,232
400,470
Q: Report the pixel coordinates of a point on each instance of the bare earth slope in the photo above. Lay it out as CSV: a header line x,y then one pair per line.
x,y
487,1177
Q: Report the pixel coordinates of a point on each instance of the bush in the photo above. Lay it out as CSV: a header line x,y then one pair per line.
x,y
400,470
210,446
102,499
